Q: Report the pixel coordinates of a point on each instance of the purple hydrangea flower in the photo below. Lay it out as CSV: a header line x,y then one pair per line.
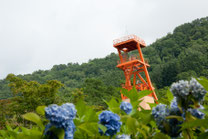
x,y
126,107
111,121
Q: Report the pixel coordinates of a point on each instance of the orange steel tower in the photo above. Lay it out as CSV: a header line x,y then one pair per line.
x,y
133,64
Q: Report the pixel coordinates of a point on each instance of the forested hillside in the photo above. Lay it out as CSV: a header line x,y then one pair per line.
x,y
178,55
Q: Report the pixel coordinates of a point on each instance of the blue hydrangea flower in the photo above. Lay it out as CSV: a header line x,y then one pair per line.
x,y
111,121
61,117
174,103
174,108
69,131
197,90
180,89
126,107
160,112
123,136
196,113
174,124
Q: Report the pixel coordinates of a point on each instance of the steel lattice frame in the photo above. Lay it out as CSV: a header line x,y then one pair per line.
x,y
133,66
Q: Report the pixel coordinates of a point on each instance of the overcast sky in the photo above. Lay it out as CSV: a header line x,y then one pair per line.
x,y
37,34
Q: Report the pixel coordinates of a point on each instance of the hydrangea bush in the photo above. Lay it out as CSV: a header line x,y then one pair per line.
x,y
184,118
183,108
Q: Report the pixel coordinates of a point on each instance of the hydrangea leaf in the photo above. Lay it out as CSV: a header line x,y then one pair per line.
x,y
134,95
205,111
33,118
160,136
90,116
204,82
8,127
29,133
203,135
145,116
195,123
41,110
89,128
142,132
113,105
132,124
169,95
144,93
102,127
152,105
81,108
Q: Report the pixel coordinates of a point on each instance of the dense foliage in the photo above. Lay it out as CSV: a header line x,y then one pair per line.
x,y
26,97
82,121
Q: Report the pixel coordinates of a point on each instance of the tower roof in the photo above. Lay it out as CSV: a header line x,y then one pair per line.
x,y
129,42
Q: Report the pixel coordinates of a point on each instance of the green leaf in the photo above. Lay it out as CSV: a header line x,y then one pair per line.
x,y
146,118
195,123
142,132
203,135
90,128
3,133
134,95
81,108
8,127
152,105
169,95
160,136
41,110
90,116
16,129
132,124
143,93
203,81
113,105
33,118
102,127
25,131
205,111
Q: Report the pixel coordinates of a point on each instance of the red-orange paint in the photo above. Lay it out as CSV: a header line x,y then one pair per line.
x,y
133,66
